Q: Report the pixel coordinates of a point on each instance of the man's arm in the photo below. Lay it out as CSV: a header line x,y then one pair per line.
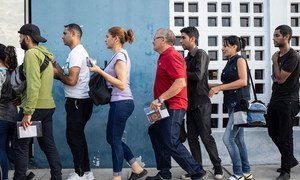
x,y
280,75
176,87
71,79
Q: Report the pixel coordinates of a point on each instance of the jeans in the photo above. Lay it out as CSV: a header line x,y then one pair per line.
x,y
79,112
6,128
199,123
164,135
20,147
280,127
119,113
234,141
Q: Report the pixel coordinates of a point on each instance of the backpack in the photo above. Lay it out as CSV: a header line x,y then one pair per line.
x,y
18,79
99,93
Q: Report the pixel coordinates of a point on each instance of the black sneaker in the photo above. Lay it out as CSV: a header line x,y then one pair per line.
x,y
283,176
295,163
156,177
202,176
135,176
218,173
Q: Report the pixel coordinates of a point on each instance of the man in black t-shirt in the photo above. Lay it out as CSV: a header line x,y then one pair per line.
x,y
284,103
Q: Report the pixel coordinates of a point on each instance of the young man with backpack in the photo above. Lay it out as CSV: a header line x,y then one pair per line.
x,y
37,103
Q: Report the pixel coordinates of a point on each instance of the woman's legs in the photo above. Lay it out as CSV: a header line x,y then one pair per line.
x,y
4,130
234,141
118,114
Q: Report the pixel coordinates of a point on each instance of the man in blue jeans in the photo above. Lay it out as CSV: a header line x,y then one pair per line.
x,y
170,88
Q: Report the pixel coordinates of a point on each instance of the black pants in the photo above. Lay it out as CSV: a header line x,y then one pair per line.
x,y
20,147
199,123
79,112
280,127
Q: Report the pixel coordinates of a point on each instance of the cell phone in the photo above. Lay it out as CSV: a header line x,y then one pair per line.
x,y
89,62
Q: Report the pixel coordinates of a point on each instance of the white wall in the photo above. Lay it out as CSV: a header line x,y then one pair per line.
x,y
12,18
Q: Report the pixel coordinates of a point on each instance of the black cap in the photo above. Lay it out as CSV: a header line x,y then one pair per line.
x,y
32,31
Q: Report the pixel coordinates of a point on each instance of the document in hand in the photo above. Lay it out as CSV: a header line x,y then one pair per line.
x,y
34,130
159,114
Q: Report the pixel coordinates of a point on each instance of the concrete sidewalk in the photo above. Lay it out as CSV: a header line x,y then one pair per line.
x,y
260,172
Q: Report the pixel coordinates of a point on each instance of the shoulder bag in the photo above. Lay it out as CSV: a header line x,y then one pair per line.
x,y
249,114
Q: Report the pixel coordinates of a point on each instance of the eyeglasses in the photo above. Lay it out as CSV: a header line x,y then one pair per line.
x,y
157,37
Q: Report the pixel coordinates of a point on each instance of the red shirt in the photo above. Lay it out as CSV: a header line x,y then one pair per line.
x,y
171,66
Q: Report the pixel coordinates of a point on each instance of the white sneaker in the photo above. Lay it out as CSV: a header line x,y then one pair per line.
x,y
236,177
89,175
75,176
219,176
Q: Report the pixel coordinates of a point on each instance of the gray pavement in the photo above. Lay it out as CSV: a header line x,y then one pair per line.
x,y
260,172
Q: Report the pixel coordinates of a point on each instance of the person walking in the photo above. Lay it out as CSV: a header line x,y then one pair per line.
x,y
284,103
170,89
199,105
78,104
37,104
117,75
8,111
235,87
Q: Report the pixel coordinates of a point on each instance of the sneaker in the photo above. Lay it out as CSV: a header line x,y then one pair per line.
x,y
248,176
236,177
185,176
89,175
200,176
218,173
283,176
219,176
156,177
135,176
75,176
295,163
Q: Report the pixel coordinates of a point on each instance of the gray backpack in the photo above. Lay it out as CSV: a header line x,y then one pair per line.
x,y
18,79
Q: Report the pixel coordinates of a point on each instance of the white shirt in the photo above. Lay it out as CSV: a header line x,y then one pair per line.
x,y
77,58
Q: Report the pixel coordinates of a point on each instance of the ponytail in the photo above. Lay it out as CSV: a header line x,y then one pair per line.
x,y
130,36
234,40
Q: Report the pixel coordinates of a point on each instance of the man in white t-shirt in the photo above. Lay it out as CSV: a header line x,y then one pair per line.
x,y
78,105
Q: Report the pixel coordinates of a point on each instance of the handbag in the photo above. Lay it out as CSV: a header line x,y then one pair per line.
x,y
250,114
99,92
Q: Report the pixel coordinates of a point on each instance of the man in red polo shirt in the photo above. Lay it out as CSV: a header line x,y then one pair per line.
x,y
170,88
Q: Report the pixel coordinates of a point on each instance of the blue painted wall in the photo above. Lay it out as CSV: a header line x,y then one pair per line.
x,y
144,17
